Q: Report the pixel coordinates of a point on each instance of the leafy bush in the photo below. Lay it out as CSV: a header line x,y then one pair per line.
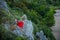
x,y
49,17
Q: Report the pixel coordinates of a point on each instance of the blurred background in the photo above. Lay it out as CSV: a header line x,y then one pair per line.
x,y
44,14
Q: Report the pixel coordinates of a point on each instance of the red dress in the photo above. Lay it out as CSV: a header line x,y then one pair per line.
x,y
20,24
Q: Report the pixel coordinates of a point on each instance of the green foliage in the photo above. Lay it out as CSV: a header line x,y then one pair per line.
x,y
49,17
48,33
2,14
21,38
6,35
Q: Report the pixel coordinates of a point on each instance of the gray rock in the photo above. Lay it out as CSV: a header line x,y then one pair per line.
x,y
41,35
